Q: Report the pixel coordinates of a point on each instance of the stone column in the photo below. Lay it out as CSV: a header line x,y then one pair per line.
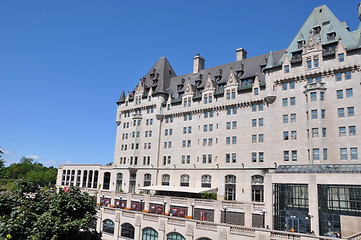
x,y
313,204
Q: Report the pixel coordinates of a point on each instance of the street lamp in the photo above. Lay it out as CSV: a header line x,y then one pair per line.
x,y
264,212
309,217
141,204
225,214
193,209
164,204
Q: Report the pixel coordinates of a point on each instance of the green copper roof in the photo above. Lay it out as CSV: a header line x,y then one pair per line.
x,y
323,18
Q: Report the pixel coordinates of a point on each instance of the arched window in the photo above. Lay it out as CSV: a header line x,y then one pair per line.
x,y
147,179
127,230
184,181
78,179
118,187
96,175
257,188
206,181
67,177
108,226
90,179
204,238
85,176
106,182
63,178
149,234
175,236
72,178
165,179
230,187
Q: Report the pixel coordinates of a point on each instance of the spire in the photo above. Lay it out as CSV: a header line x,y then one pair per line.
x,y
270,61
122,97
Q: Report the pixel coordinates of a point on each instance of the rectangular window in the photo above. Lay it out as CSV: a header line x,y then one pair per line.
x,y
260,156
204,142
260,138
234,157
338,77
309,64
189,130
323,113
184,143
347,75
228,140
286,156
354,153
309,80
285,135
316,63
324,132
189,143
293,101
254,138
343,153
313,96
342,131
325,154
284,86
204,158
209,158
210,127
234,140
341,57
234,110
322,96
293,135
210,141
339,94
183,159
294,155
351,111
260,107
341,112
316,154
228,125
349,93
260,122
256,91
314,114
293,117
254,122
287,68
292,85
352,130
254,157
285,118
229,111
205,128
314,132
254,108
285,102
234,125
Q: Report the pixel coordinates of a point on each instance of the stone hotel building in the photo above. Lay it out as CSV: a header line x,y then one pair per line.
x,y
266,147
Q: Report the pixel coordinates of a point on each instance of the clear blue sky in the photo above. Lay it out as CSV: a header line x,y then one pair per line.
x,y
63,64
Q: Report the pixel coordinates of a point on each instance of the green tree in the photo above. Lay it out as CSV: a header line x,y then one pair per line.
x,y
28,214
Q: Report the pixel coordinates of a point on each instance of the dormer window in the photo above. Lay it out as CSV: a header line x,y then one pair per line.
x,y
300,43
317,30
331,36
287,68
256,91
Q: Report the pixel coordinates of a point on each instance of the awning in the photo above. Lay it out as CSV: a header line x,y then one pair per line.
x,y
180,189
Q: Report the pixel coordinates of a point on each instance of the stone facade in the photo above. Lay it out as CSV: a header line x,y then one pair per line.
x,y
267,137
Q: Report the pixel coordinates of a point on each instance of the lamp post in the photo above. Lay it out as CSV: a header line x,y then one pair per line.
x,y
164,204
225,214
309,217
264,212
193,209
141,204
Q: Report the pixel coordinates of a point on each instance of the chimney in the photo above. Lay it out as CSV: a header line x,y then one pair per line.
x,y
241,54
198,63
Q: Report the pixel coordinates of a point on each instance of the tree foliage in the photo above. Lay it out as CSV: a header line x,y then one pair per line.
x,y
32,171
28,214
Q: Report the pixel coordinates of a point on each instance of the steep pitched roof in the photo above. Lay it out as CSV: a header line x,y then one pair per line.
x,y
323,18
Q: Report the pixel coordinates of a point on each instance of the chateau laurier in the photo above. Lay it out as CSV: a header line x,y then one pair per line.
x,y
266,147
